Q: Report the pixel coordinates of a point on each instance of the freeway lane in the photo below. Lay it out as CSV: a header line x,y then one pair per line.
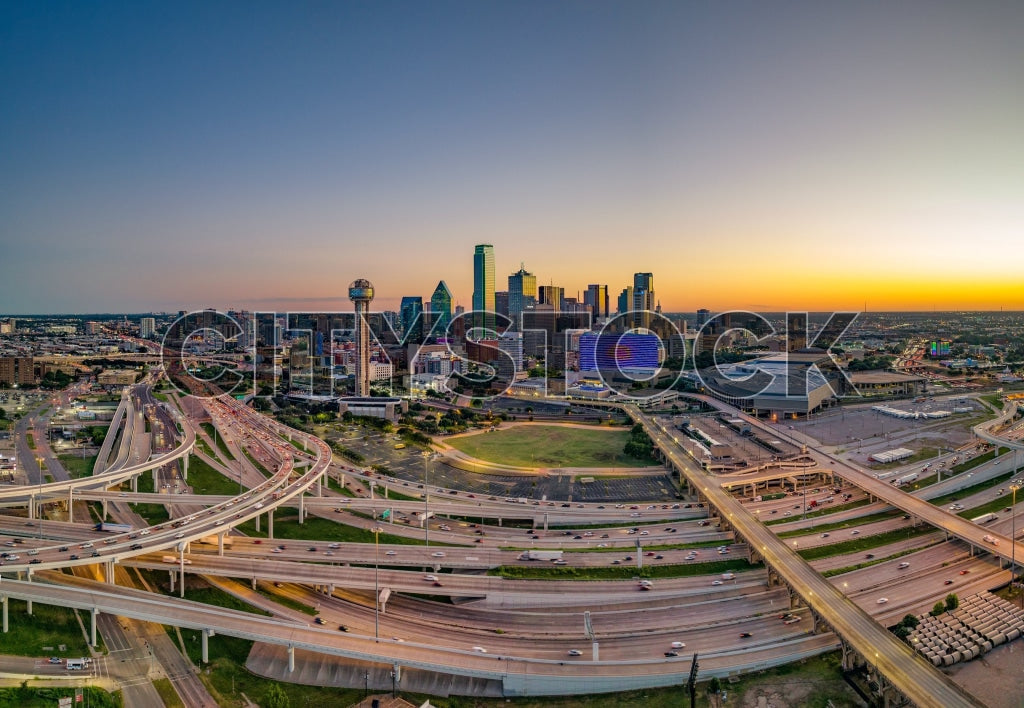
x,y
545,675
909,673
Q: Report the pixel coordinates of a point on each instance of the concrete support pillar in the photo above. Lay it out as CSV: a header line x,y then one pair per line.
x,y
108,572
220,543
254,582
135,483
71,505
270,524
330,589
28,604
291,658
545,522
92,626
156,487
320,486
184,466
103,516
32,506
595,651
206,634
302,508
3,600
171,573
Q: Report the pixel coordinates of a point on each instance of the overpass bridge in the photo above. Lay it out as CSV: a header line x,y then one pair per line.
x,y
901,674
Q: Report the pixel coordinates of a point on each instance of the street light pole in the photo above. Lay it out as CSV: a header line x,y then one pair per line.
x,y
426,501
1013,536
376,581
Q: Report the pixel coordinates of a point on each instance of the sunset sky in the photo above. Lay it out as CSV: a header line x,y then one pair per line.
x,y
762,155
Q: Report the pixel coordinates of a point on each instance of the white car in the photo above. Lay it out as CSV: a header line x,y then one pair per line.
x,y
574,652
430,578
882,600
479,650
438,554
390,553
644,533
678,645
716,582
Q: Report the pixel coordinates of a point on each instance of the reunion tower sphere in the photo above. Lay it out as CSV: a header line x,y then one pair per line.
x,y
360,291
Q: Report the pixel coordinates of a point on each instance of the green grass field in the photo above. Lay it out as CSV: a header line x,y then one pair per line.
x,y
550,446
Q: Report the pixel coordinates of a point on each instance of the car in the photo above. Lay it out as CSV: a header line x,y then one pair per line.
x,y
855,532
745,635
670,654
479,650
824,535
95,554
628,558
677,645
574,652
390,553
658,558
604,535
644,533
276,550
311,549
278,585
948,582
55,660
180,534
87,544
74,557
903,565
63,549
788,513
716,582
882,600
430,578
649,554
869,556
616,562
136,546
35,560
342,628
320,620
602,545
964,572
437,584
438,554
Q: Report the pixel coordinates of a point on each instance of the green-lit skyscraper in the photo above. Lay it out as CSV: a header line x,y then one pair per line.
x,y
483,282
441,308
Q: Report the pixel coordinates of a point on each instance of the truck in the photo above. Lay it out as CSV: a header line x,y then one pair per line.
x,y
984,518
77,664
215,541
541,555
113,528
905,479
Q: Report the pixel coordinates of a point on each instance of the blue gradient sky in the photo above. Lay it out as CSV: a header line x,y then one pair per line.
x,y
780,155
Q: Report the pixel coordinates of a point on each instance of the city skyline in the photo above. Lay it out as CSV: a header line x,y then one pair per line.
x,y
807,157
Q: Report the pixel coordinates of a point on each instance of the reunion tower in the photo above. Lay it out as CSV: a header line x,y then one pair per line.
x,y
360,292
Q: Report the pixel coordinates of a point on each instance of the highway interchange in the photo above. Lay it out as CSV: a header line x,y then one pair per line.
x,y
633,629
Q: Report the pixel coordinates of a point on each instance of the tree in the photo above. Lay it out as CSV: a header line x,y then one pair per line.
x,y
910,621
902,631
714,685
952,602
275,697
938,609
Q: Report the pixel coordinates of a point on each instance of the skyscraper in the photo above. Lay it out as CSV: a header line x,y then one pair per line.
x,y
360,292
551,295
147,327
643,299
522,293
625,301
483,282
597,297
410,317
441,308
